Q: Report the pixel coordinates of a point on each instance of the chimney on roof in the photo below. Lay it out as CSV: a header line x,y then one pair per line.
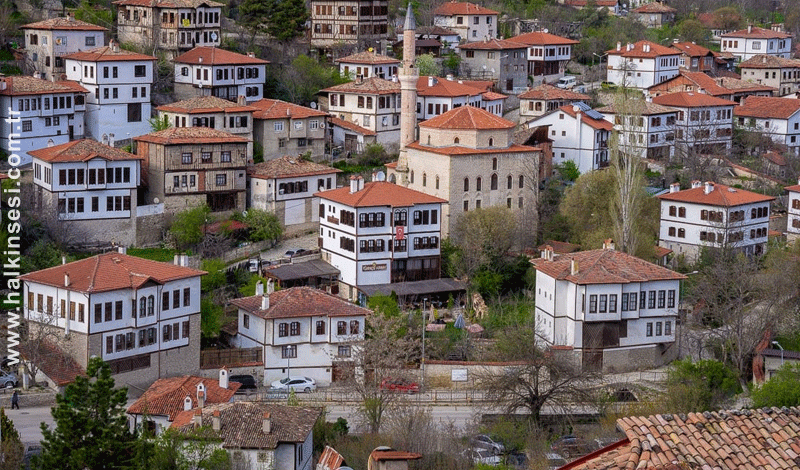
x,y
709,186
764,59
113,45
37,75
360,183
674,187
573,267
252,55
63,259
187,403
181,259
353,185
216,422
374,176
608,244
198,418
749,29
223,378
241,100
110,140
619,46
71,16
696,184
646,47
450,77
105,139
629,47
266,425
66,281
122,250
676,41
547,253
259,288
431,81
201,395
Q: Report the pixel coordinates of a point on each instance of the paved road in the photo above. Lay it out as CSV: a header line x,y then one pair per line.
x,y
28,420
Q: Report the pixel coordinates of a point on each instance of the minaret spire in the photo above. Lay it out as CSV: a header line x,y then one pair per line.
x,y
408,89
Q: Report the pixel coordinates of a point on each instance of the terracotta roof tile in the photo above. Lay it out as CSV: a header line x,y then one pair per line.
x,y
491,96
165,397
330,459
379,194
560,247
287,166
241,423
108,54
686,99
190,135
53,361
645,108
638,50
367,86
462,8
443,87
755,33
277,109
600,124
205,104
540,38
81,151
434,30
110,271
549,92
467,117
300,302
493,45
691,49
768,107
604,266
460,150
654,7
23,85
350,126
764,439
719,86
794,188
766,61
170,3
721,196
217,56
380,455
64,23
367,57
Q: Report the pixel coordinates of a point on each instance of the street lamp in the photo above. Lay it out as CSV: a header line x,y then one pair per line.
x,y
600,61
781,348
424,327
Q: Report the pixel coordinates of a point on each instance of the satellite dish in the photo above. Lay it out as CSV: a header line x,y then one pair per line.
x,y
214,36
313,105
156,200
484,67
380,176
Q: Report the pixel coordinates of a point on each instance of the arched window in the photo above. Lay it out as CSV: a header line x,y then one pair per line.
x,y
493,184
151,302
429,139
478,183
437,181
466,184
412,177
424,179
392,178
510,182
456,140
142,307
494,160
521,181
491,142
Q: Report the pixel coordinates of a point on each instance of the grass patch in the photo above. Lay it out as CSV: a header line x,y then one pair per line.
x,y
156,254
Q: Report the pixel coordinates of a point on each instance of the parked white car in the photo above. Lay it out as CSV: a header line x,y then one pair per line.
x,y
296,383
567,83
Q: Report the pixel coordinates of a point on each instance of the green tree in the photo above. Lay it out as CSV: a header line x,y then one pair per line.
x,y
427,65
780,390
159,123
91,429
263,225
216,276
699,386
11,447
197,449
693,30
282,19
188,227
212,317
484,236
451,62
301,81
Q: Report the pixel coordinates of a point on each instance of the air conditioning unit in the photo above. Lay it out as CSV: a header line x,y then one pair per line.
x,y
322,126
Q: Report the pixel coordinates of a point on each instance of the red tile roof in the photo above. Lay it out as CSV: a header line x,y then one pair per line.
x,y
190,135
23,85
775,158
540,38
468,118
687,99
277,109
493,45
287,166
330,459
169,3
722,196
720,86
645,108
81,151
241,423
654,7
768,107
366,57
350,126
459,150
165,397
691,49
367,86
766,61
379,194
491,96
559,247
443,87
379,455
108,54
217,56
462,8
64,23
301,301
600,124
764,439
757,33
110,271
205,105
794,187
549,92
53,361
638,50
604,266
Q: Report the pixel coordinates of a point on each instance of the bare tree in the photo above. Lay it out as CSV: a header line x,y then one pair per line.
x,y
485,236
41,341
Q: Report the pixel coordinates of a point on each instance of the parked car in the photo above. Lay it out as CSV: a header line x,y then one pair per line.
x,y
482,441
555,461
296,383
254,264
567,83
399,384
31,450
248,382
8,379
573,446
482,456
295,252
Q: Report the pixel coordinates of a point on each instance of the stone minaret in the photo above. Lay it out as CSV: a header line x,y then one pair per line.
x,y
408,90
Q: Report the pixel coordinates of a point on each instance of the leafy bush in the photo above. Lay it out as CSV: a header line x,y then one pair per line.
x,y
781,390
700,386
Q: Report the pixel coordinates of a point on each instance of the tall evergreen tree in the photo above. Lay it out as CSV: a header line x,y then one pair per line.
x,y
282,19
91,430
11,447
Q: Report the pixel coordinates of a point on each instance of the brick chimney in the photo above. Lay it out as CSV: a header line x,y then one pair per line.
x,y
608,244
216,421
266,425
573,267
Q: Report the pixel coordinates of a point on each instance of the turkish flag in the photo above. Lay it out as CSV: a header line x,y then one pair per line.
x,y
399,232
